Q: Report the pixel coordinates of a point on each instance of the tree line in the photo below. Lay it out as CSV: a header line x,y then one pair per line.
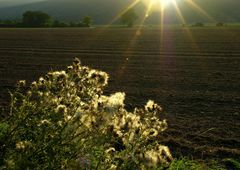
x,y
42,19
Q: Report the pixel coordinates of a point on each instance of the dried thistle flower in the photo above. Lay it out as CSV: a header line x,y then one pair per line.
x,y
76,61
151,106
21,83
61,109
22,145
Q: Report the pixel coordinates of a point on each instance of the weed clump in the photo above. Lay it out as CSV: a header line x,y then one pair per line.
x,y
64,121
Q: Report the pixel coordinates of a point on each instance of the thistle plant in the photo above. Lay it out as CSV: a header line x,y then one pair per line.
x,y
64,121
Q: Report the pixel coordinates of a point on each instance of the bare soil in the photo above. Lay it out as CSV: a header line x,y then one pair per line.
x,y
194,73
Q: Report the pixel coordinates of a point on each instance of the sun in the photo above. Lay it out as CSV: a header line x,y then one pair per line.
x,y
161,1
158,4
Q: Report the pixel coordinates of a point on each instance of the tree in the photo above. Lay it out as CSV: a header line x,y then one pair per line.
x,y
198,24
57,23
220,24
9,23
36,19
129,17
73,24
87,21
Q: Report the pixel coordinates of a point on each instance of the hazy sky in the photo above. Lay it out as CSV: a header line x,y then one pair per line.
x,y
5,3
20,1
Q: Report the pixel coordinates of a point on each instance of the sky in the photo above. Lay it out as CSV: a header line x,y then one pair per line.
x,y
6,3
20,1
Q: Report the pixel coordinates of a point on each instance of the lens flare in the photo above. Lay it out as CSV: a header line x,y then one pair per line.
x,y
164,8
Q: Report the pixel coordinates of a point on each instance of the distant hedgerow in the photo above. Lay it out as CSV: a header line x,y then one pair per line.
x,y
63,121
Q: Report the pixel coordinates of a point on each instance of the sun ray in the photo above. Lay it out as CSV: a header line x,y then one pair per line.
x,y
194,44
162,11
124,10
200,10
149,8
128,52
179,13
115,18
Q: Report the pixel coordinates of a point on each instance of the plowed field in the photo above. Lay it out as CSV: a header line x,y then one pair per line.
x,y
194,75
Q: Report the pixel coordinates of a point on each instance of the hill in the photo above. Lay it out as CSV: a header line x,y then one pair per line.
x,y
103,11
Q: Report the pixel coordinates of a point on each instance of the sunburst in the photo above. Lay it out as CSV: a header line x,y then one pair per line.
x,y
161,6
